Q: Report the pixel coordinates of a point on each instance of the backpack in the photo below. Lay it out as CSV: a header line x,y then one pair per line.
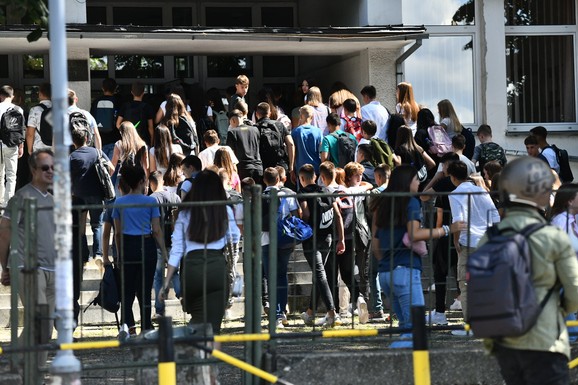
x,y
77,121
491,151
168,213
381,153
501,297
109,293
185,135
101,167
221,121
135,159
12,127
290,229
45,127
346,146
440,140
470,142
105,116
346,205
565,173
353,126
271,144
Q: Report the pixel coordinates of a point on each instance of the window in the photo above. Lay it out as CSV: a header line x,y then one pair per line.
x,y
146,16
182,16
439,12
4,70
229,66
278,66
136,66
184,66
277,16
552,12
540,79
443,69
98,66
96,15
228,17
33,66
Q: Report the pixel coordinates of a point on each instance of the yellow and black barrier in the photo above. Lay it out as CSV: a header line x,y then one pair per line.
x,y
421,369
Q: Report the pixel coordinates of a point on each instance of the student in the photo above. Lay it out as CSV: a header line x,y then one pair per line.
x,y
547,151
181,125
241,89
459,145
199,238
105,109
317,258
223,161
449,119
131,148
161,152
364,156
373,110
473,205
288,206
284,153
487,150
329,149
35,123
212,144
406,105
244,141
174,176
138,231
190,166
139,113
541,355
307,139
350,120
94,140
379,147
533,149
10,154
320,110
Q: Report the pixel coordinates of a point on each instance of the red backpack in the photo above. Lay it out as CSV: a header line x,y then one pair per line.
x,y
353,126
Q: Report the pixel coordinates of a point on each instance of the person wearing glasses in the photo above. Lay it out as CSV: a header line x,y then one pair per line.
x,y
41,164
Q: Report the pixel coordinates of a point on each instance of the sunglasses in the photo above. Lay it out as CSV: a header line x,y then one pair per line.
x,y
47,167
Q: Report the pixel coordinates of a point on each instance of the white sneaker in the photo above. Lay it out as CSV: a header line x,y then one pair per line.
x,y
462,333
279,323
436,318
362,310
457,305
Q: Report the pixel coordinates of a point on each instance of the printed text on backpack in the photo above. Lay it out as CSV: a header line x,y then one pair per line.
x,y
12,127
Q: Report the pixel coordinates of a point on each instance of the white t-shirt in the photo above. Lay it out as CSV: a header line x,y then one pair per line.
x,y
34,121
163,107
408,122
207,156
567,223
176,149
550,156
378,113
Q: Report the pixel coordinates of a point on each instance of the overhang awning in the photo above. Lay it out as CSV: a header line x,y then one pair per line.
x,y
322,41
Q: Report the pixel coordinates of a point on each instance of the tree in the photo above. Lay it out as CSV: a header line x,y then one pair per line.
x,y
27,12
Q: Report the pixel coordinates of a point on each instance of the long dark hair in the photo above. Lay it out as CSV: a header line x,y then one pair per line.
x,y
207,223
565,193
384,207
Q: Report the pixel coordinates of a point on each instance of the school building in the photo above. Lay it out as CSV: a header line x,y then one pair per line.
x,y
510,64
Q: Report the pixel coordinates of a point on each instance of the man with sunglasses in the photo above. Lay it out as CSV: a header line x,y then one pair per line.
x,y
41,164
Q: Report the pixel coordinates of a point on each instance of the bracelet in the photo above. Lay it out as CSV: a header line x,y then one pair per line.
x,y
446,229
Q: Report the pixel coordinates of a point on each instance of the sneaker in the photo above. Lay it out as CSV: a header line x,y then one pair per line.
x,y
377,316
330,322
362,310
462,333
157,318
308,320
279,323
132,331
123,333
457,305
436,318
283,319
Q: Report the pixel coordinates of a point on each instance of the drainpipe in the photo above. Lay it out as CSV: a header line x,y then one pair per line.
x,y
399,61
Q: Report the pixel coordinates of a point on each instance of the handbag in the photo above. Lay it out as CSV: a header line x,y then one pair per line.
x,y
291,229
104,177
418,247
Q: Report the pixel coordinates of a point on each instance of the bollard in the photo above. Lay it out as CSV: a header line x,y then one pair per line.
x,y
421,370
167,366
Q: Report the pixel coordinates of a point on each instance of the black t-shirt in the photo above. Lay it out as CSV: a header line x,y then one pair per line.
x,y
284,132
244,140
444,185
83,177
140,113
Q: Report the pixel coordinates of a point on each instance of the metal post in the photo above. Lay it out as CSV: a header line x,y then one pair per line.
x,y
65,366
167,366
257,195
29,299
14,260
272,281
421,369
248,274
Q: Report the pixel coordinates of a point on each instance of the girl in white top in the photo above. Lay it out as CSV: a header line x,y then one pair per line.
x,y
160,154
174,174
564,210
320,110
406,105
448,118
130,144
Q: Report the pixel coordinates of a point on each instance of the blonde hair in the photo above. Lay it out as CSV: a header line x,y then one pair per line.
x,y
314,97
351,169
223,160
175,108
446,110
407,101
130,141
306,111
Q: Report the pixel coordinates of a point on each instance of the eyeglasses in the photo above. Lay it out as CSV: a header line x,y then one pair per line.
x,y
47,167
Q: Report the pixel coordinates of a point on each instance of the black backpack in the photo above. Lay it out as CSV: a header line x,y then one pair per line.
x,y
184,134
271,144
470,142
77,121
501,297
12,127
565,173
105,116
346,146
45,127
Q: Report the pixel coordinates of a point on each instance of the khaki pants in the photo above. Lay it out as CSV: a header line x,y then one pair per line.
x,y
463,285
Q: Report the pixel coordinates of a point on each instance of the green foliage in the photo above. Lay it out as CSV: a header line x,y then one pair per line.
x,y
26,12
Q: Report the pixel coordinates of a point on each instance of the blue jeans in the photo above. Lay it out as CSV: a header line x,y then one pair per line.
x,y
108,149
405,292
283,256
158,283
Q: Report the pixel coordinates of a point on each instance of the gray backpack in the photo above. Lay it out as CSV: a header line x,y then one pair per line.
x,y
501,297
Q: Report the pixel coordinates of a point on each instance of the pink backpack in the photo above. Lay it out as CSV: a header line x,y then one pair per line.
x,y
440,141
